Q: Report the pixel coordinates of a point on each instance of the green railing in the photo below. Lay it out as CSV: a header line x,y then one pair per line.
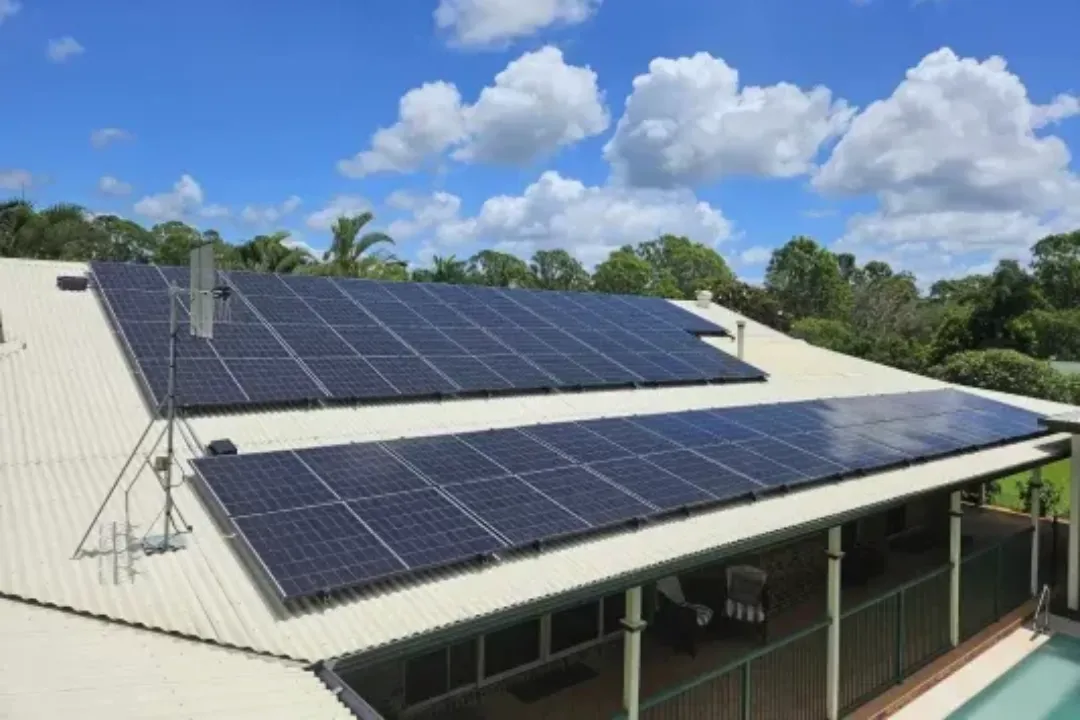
x,y
882,642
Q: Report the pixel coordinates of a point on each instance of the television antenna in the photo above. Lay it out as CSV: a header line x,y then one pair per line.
x,y
209,302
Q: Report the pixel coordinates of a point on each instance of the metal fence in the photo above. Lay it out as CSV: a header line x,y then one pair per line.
x,y
882,642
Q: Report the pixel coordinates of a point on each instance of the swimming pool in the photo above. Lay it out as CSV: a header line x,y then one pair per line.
x,y
1045,685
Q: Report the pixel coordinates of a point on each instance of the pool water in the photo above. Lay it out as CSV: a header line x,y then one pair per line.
x,y
1045,685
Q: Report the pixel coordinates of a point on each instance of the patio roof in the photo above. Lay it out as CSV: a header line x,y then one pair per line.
x,y
70,413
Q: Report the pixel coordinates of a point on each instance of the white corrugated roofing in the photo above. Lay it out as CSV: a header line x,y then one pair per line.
x,y
70,412
60,665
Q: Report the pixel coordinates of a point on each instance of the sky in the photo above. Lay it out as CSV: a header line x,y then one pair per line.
x,y
933,134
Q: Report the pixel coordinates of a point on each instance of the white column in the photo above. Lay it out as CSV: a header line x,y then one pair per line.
x,y
1036,511
632,627
955,515
832,653
1073,594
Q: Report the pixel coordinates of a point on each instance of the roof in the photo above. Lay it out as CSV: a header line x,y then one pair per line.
x,y
58,665
71,412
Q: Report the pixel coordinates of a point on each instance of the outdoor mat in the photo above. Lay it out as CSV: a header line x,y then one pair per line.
x,y
542,686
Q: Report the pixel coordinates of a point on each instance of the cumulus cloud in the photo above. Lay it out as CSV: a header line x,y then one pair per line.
x,y
103,137
63,49
960,162
588,221
756,255
108,185
9,9
480,23
324,218
425,212
185,200
16,179
535,106
270,214
689,122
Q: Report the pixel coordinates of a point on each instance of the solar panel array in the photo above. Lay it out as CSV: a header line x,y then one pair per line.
x,y
296,338
328,518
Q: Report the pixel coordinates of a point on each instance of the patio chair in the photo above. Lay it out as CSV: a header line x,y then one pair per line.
x,y
681,621
748,597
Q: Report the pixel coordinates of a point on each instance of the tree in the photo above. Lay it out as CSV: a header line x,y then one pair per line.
x,y
834,335
173,242
1056,267
449,270
807,281
755,303
558,270
682,268
1047,334
623,272
124,240
1005,371
498,269
347,254
1010,293
271,253
963,291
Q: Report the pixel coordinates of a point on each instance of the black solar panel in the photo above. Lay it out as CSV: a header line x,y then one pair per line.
x,y
424,502
434,340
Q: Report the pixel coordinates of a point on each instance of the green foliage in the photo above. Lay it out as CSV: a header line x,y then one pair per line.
x,y
1003,370
807,280
1053,334
754,302
558,270
1051,498
624,272
1056,268
834,335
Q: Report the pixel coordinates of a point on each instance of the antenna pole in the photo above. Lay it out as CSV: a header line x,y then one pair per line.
x,y
174,299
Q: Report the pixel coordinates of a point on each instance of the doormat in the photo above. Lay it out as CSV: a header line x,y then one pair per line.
x,y
546,685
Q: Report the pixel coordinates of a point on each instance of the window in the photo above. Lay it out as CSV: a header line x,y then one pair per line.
x,y
511,647
614,611
575,626
425,677
438,672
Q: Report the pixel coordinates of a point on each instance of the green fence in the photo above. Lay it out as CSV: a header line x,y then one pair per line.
x,y
882,642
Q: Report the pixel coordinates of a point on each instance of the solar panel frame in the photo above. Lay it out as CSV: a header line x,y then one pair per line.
x,y
517,511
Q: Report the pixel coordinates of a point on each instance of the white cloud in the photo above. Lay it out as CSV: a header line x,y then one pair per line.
x,y
960,163
185,198
426,212
214,212
479,23
689,122
324,218
104,137
61,49
588,221
108,185
16,179
270,214
536,105
756,255
8,9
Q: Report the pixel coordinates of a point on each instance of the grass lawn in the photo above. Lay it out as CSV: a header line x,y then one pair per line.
x,y
1056,474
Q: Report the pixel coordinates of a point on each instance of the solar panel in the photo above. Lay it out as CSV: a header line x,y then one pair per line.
x,y
425,529
494,340
592,497
424,502
360,470
517,511
273,381
318,549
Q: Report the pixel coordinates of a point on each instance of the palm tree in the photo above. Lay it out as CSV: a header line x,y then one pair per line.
x,y
449,270
271,253
347,252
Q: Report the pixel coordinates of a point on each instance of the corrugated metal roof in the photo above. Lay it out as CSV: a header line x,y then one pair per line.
x,y
61,665
70,413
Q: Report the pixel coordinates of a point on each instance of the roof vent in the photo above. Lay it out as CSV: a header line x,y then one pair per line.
x,y
704,298
72,283
221,447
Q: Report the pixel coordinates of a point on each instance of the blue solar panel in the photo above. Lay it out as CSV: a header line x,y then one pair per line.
x,y
692,468
277,309
847,449
567,372
469,373
515,451
578,443
140,305
519,372
318,549
672,427
273,381
360,470
394,314
364,290
246,340
593,498
629,435
756,467
313,341
475,341
425,529
441,316
517,511
369,340
254,284
412,376
717,425
350,378
313,288
655,486
604,368
263,483
444,459
810,465
127,276
150,340
199,383
340,311
428,341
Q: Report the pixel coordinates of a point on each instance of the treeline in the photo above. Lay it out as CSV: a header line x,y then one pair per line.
x,y
995,331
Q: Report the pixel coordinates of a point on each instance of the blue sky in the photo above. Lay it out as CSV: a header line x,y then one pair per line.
x,y
209,108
